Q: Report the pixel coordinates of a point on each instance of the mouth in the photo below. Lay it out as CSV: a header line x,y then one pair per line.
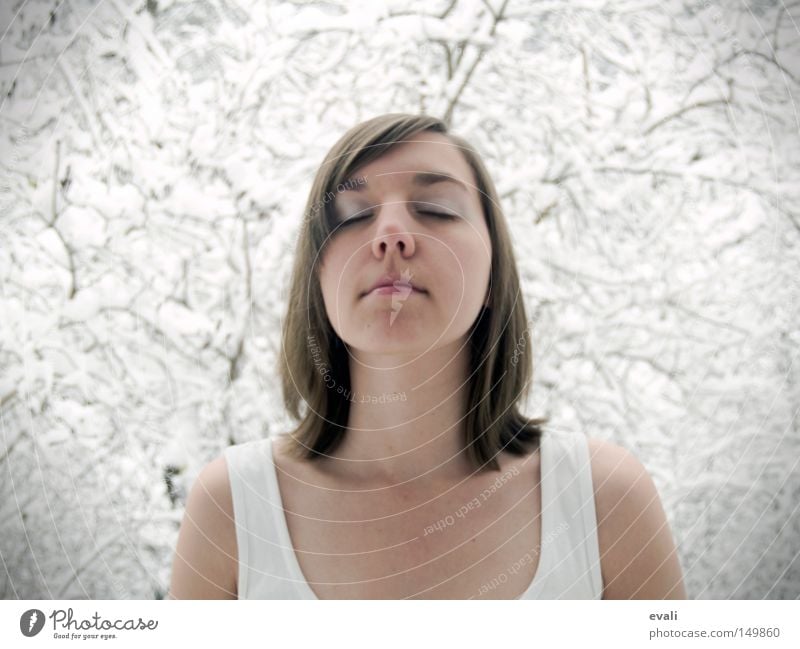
x,y
392,283
391,289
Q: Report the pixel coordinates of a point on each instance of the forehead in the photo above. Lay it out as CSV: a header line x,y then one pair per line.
x,y
421,153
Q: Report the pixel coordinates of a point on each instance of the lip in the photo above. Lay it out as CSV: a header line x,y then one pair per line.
x,y
392,283
389,289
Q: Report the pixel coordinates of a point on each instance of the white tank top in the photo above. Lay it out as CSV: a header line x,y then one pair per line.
x,y
569,560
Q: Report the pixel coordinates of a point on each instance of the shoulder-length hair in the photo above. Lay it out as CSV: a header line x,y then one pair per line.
x,y
314,364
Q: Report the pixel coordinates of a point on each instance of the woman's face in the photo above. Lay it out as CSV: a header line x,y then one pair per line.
x,y
412,218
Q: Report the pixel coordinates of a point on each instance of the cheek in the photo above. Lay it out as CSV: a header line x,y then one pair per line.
x,y
472,257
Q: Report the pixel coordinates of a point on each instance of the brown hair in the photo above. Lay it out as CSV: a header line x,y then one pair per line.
x,y
314,364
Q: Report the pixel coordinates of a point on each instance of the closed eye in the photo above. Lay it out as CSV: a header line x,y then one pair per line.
x,y
443,215
353,219
425,208
426,212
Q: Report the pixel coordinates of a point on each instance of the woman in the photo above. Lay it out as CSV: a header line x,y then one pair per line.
x,y
412,473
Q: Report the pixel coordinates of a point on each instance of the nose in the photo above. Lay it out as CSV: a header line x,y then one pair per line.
x,y
392,234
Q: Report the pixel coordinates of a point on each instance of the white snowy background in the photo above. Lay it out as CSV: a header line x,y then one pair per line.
x,y
156,159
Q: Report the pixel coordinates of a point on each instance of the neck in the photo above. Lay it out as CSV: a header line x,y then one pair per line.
x,y
406,420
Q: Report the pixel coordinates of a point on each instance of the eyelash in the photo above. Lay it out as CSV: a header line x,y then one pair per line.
x,y
441,215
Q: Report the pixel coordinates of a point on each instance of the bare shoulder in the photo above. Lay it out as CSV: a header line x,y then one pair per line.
x,y
637,552
206,563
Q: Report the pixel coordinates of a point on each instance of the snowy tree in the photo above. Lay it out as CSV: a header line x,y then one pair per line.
x,y
156,157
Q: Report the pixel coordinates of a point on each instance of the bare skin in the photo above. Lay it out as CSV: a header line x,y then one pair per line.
x,y
357,540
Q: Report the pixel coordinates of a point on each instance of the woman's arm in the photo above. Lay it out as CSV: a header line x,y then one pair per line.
x,y
205,564
637,553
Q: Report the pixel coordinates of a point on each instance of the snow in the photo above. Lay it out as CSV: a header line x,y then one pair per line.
x,y
82,227
189,198
180,321
83,306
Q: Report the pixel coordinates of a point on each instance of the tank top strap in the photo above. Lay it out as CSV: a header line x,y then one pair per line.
x,y
263,571
569,521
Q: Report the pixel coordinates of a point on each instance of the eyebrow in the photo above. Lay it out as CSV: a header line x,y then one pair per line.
x,y
421,178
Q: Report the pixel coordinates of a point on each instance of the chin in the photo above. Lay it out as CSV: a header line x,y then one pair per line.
x,y
393,339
